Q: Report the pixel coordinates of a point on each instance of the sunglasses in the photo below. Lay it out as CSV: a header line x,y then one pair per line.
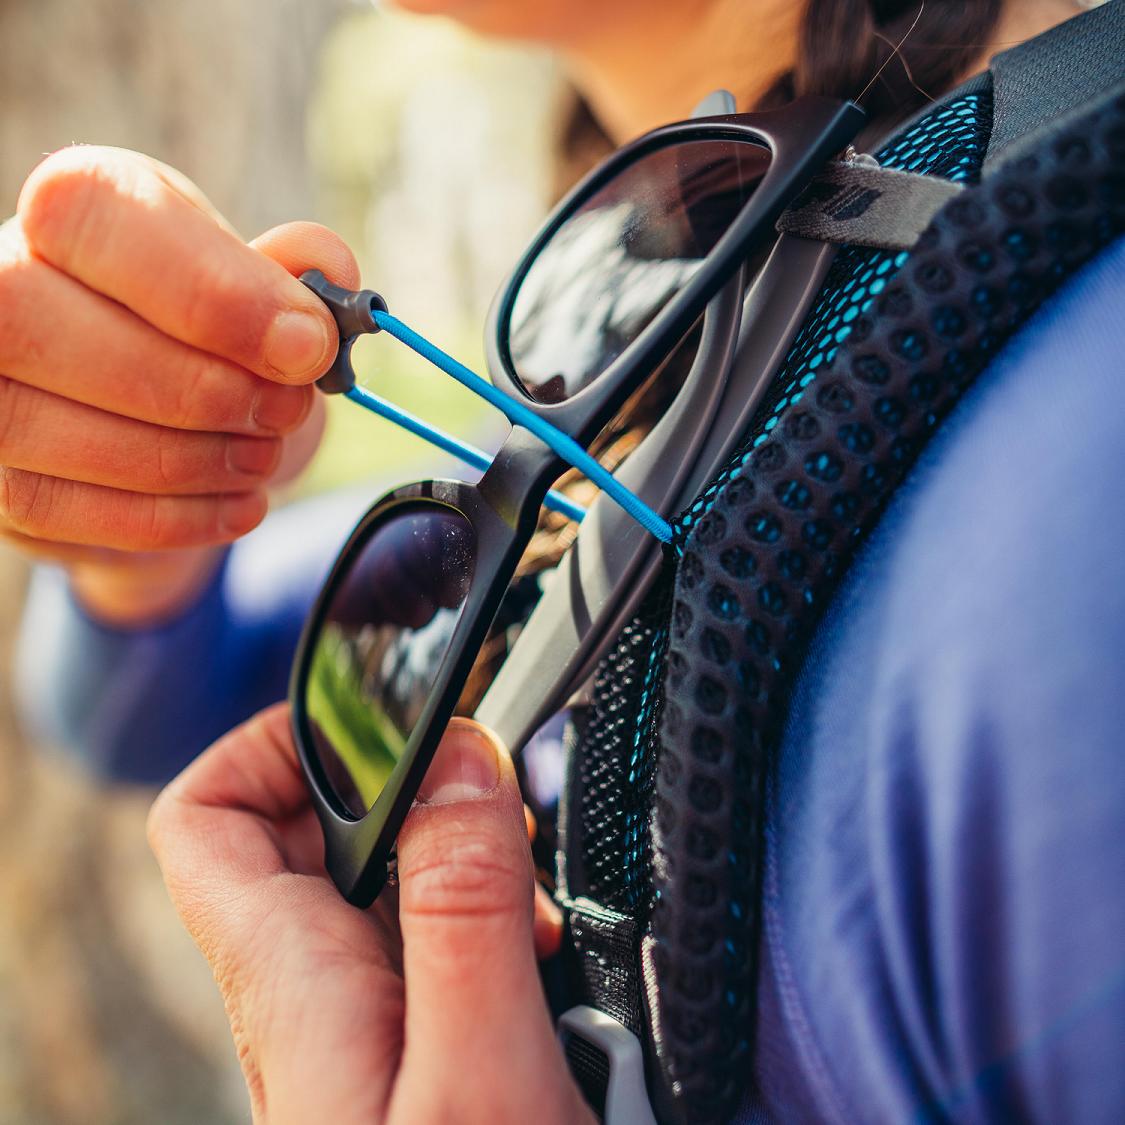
x,y
623,269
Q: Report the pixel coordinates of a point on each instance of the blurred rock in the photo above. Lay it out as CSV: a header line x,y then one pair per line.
x,y
107,1012
217,88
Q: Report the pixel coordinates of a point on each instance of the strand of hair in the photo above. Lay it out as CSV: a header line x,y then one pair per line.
x,y
895,51
905,66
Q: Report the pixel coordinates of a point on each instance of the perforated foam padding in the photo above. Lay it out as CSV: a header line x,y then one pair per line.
x,y
886,351
764,548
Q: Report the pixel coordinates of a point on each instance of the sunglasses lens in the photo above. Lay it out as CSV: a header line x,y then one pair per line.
x,y
381,643
621,256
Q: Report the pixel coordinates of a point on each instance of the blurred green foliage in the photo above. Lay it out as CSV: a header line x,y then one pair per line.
x,y
435,174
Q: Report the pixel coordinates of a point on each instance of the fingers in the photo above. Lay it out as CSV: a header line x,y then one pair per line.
x,y
114,223
134,326
547,924
67,511
298,247
475,1010
44,433
61,336
310,984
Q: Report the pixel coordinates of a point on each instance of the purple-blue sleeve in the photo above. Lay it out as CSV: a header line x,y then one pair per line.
x,y
944,907
137,706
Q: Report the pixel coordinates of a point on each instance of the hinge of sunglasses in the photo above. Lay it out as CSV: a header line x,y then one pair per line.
x,y
354,313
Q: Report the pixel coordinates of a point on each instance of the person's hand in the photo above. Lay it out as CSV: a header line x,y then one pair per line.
x,y
151,367
426,1008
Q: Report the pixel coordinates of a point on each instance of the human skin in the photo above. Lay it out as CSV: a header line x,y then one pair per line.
x,y
153,367
427,1007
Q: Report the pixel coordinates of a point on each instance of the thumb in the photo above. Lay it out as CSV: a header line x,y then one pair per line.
x,y
475,1012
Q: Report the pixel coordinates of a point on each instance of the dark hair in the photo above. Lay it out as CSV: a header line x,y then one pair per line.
x,y
844,43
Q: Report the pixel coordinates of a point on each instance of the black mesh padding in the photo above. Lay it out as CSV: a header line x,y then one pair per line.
x,y
590,1067
887,351
617,759
615,783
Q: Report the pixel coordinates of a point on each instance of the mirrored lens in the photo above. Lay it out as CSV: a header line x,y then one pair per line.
x,y
621,257
381,644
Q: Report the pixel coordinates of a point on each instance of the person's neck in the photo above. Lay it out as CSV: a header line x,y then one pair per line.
x,y
634,83
1022,20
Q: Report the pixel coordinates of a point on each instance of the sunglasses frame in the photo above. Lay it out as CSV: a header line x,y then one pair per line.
x,y
503,507
801,137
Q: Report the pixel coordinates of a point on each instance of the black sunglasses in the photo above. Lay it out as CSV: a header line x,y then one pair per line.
x,y
617,277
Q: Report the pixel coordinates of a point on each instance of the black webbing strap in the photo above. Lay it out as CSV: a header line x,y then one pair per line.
x,y
854,202
1064,68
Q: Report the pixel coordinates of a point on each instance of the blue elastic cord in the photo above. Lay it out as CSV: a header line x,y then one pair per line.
x,y
566,447
556,501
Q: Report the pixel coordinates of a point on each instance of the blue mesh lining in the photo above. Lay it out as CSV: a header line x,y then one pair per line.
x,y
950,142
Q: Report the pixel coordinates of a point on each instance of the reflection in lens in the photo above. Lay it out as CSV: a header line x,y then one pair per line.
x,y
381,643
621,257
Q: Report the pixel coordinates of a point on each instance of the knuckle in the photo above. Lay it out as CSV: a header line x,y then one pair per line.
x,y
173,468
62,205
193,399
453,877
221,305
150,524
26,500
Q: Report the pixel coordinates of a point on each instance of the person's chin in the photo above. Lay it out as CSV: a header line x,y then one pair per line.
x,y
518,19
464,10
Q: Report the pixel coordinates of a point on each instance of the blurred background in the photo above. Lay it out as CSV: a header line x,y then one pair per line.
x,y
433,154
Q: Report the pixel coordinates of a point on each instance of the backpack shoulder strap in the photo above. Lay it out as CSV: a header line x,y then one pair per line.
x,y
793,510
657,955
1064,68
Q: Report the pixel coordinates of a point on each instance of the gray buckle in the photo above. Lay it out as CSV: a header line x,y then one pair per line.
x,y
626,1097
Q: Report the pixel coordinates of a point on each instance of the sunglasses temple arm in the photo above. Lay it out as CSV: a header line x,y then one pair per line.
x,y
469,454
562,444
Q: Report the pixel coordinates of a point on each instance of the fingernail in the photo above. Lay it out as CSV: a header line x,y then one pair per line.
x,y
279,410
296,344
464,768
255,457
